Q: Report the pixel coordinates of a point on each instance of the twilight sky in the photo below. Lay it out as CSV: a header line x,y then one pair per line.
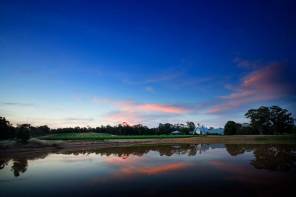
x,y
87,63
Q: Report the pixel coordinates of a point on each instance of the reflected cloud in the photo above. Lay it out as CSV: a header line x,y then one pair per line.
x,y
137,160
152,170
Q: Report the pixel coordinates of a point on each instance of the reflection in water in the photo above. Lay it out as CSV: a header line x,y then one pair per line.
x,y
19,166
20,161
175,170
271,157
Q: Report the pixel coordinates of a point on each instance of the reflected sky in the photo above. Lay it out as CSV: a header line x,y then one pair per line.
x,y
184,170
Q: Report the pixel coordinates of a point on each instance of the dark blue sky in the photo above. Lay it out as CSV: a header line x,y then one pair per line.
x,y
67,63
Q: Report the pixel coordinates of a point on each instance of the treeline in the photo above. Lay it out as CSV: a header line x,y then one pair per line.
x,y
24,131
265,121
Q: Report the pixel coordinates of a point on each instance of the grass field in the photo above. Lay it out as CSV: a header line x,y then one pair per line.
x,y
105,136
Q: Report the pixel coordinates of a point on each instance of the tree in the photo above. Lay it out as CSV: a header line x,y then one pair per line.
x,y
231,128
260,119
6,129
165,128
282,120
23,133
191,126
271,120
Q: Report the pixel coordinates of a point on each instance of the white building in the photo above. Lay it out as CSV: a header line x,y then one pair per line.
x,y
202,130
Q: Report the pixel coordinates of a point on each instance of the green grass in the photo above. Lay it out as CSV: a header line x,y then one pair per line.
x,y
105,136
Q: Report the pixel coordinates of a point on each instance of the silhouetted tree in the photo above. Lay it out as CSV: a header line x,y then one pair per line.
x,y
6,129
165,128
231,128
23,133
282,120
260,119
190,126
270,120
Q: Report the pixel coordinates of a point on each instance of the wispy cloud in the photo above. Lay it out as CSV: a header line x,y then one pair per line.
x,y
135,112
17,104
268,83
151,107
132,106
79,119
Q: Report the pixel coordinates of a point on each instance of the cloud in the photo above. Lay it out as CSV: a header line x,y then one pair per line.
x,y
268,83
133,166
153,170
17,104
133,112
79,119
151,107
123,116
132,106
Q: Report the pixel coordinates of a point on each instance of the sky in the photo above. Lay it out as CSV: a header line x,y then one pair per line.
x,y
92,63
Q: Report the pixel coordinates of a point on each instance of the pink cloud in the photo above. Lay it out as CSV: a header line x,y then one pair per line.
x,y
154,170
131,106
138,165
151,107
132,166
261,85
134,112
123,116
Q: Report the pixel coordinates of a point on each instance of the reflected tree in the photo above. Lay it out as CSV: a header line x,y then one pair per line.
x,y
275,158
270,157
3,163
19,166
235,149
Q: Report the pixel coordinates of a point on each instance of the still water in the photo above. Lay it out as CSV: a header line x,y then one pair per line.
x,y
187,170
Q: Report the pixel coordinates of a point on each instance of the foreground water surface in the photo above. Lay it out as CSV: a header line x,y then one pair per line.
x,y
185,170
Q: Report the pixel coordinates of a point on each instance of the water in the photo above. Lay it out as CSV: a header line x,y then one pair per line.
x,y
187,170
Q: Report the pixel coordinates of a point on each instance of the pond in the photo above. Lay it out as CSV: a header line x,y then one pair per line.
x,y
175,170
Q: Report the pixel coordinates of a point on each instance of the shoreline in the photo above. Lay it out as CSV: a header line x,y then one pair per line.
x,y
53,146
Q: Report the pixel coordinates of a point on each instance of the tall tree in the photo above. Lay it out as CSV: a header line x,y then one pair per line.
x,y
190,125
271,120
282,120
260,119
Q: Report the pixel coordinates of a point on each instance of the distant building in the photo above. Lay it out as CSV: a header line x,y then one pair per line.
x,y
219,131
202,130
176,133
